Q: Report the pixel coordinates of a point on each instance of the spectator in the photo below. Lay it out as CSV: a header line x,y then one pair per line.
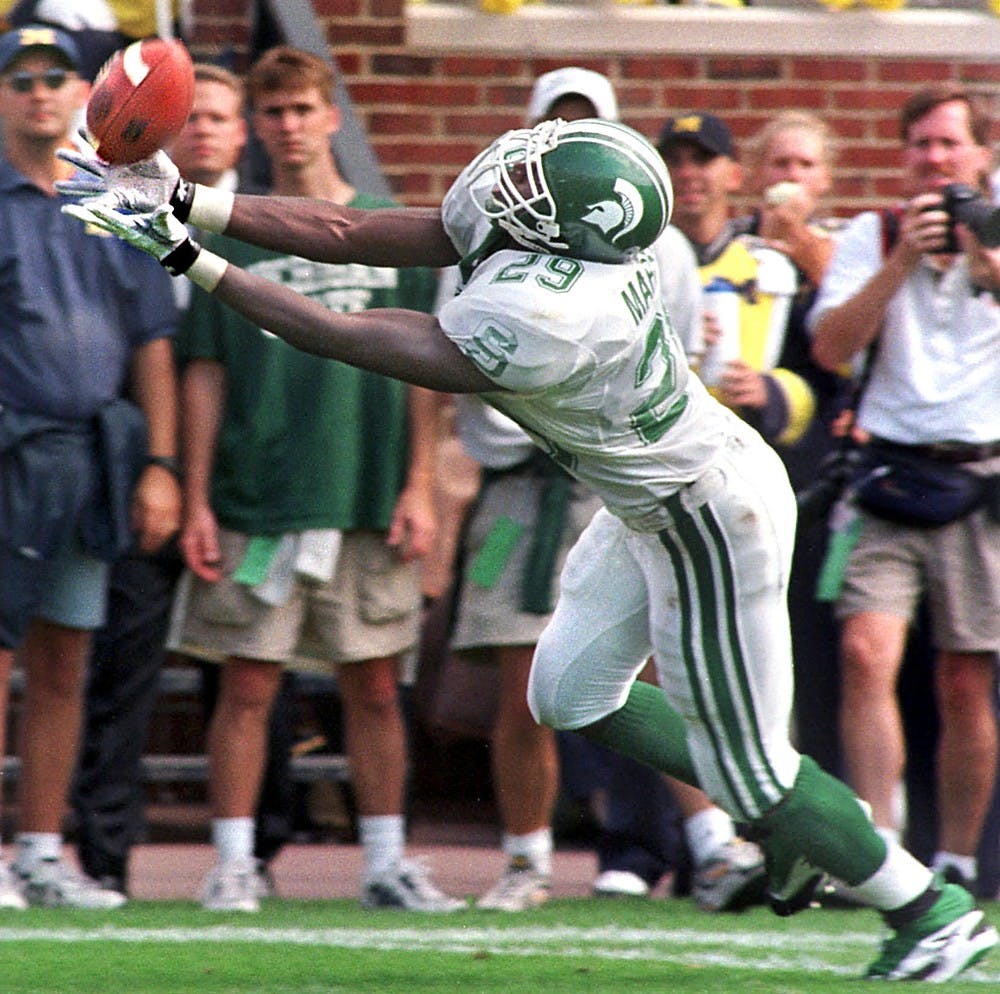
x,y
688,560
528,514
267,454
789,168
99,27
919,317
123,676
78,316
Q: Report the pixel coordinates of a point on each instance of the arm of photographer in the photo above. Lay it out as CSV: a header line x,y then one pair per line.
x,y
846,329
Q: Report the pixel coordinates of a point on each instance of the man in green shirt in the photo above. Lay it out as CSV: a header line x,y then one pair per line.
x,y
308,503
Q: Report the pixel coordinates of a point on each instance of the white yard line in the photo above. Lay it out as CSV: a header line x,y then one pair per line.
x,y
763,951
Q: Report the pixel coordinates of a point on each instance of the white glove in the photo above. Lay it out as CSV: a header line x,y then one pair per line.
x,y
157,233
139,187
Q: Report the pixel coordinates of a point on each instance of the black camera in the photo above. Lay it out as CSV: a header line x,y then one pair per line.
x,y
833,475
966,205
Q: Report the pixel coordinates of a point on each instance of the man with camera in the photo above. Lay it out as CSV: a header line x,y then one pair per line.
x,y
919,319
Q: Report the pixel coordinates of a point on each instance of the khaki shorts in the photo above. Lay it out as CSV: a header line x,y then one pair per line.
x,y
370,609
492,616
957,566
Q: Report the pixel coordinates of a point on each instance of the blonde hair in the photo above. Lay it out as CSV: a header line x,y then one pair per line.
x,y
791,120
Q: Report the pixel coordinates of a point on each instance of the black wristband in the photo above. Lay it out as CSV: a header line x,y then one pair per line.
x,y
182,199
180,260
170,463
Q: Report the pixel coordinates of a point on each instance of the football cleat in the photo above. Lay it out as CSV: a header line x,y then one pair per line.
x,y
794,887
945,940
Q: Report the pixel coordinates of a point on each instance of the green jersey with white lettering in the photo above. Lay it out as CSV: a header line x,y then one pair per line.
x,y
305,442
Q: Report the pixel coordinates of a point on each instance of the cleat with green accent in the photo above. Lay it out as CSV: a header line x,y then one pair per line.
x,y
945,940
794,887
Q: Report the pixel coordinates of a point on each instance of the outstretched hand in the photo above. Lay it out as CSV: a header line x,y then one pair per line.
x,y
157,232
140,186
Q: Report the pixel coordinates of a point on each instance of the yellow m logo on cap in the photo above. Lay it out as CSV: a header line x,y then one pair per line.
x,y
37,36
691,123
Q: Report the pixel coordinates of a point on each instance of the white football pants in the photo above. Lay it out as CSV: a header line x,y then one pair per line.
x,y
707,598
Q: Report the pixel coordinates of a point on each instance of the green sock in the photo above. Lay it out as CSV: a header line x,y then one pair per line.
x,y
822,821
646,728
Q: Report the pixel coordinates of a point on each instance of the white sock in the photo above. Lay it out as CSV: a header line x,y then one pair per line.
x,y
382,838
968,866
33,847
535,846
707,832
899,879
233,838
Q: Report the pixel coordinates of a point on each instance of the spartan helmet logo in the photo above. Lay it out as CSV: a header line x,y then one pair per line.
x,y
619,216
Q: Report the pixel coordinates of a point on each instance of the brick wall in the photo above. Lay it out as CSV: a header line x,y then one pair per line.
x,y
428,113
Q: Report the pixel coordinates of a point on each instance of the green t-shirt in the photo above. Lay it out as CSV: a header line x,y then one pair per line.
x,y
305,442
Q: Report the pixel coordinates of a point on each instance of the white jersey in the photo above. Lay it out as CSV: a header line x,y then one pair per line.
x,y
587,363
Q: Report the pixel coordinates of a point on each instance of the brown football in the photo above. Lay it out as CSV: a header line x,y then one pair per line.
x,y
140,99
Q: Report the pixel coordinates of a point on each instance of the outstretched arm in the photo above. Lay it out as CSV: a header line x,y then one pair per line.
x,y
309,228
325,232
407,345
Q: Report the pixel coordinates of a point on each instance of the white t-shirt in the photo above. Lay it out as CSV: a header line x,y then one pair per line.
x,y
936,374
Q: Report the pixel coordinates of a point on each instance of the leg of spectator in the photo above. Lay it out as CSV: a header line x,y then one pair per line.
x,y
237,737
375,735
870,725
967,748
55,660
277,793
122,688
524,758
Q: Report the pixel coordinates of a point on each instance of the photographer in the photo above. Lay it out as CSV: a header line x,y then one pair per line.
x,y
925,324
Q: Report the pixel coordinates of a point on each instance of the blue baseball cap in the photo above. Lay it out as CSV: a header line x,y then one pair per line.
x,y
706,131
43,36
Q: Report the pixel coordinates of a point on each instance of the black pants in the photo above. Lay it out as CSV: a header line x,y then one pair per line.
x,y
122,686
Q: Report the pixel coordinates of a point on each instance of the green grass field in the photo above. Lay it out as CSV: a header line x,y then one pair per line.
x,y
333,947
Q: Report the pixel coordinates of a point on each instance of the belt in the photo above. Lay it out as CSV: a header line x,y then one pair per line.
x,y
952,452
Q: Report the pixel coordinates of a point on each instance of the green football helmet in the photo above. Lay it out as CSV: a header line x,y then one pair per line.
x,y
590,189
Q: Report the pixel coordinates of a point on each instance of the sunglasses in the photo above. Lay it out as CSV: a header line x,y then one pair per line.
x,y
24,82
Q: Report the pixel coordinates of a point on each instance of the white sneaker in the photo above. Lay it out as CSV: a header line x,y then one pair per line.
x,y
734,878
620,883
407,886
53,883
521,888
231,886
11,897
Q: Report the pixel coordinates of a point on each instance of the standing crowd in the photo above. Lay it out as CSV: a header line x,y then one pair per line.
x,y
226,476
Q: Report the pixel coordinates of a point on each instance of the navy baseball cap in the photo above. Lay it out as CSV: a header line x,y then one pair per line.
x,y
704,130
43,36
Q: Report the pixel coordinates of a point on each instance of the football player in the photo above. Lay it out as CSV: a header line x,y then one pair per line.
x,y
559,325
